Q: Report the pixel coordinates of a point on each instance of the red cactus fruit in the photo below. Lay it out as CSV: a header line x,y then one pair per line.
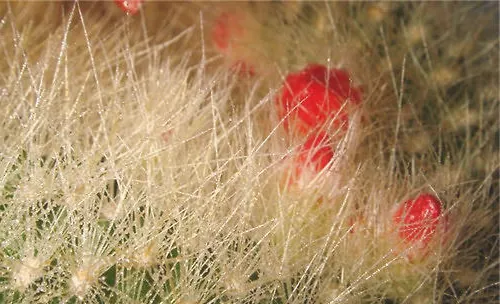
x,y
314,95
418,219
129,6
316,152
313,156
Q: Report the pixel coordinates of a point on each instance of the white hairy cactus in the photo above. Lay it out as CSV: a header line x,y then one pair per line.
x,y
155,156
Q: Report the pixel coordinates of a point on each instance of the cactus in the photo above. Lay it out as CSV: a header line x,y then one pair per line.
x,y
156,156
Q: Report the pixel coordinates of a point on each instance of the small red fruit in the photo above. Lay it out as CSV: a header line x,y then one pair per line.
x,y
314,95
313,156
129,6
418,219
316,152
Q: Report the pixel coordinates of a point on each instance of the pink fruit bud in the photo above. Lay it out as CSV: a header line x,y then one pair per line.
x,y
129,6
228,34
227,28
